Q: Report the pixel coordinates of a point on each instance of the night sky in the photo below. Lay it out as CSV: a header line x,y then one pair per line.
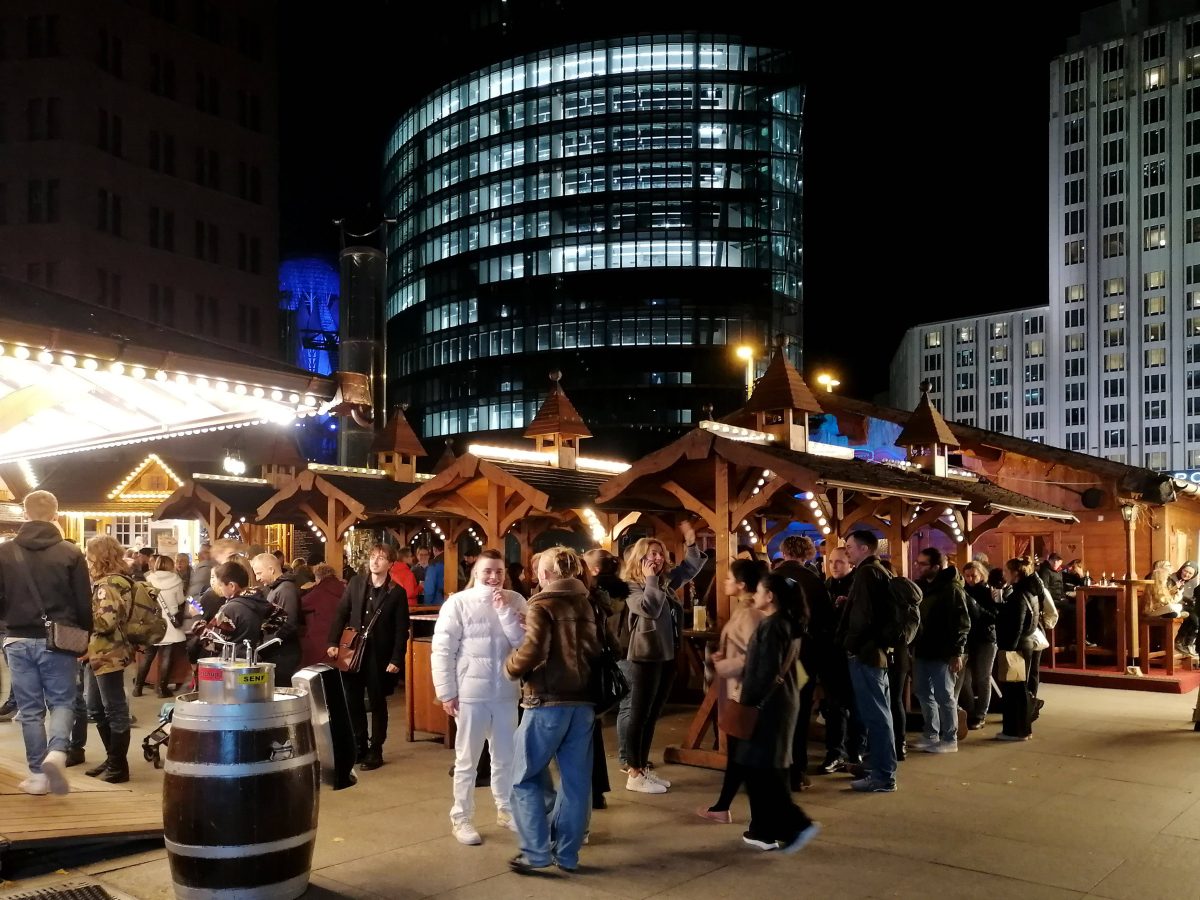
x,y
925,152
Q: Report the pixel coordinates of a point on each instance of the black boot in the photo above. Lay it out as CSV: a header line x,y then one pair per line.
x,y
165,658
117,766
143,670
105,738
75,756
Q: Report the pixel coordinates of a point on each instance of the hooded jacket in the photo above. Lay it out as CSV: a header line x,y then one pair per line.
x,y
555,660
242,617
58,569
945,622
471,641
858,632
170,598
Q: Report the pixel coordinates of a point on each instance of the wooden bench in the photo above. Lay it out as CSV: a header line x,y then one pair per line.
x,y
1168,631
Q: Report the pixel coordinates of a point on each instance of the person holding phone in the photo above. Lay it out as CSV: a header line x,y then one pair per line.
x,y
476,630
653,643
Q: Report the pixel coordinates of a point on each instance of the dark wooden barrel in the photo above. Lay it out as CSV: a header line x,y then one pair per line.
x,y
240,798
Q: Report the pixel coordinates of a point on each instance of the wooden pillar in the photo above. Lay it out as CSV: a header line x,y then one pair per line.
x,y
1131,605
495,514
724,534
895,533
335,555
450,560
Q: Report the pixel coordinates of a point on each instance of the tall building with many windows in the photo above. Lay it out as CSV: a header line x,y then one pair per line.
x,y
625,210
138,160
1111,365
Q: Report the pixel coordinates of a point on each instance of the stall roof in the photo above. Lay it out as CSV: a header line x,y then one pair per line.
x,y
242,496
566,488
108,379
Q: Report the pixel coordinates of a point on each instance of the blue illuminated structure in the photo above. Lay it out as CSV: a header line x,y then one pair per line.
x,y
309,288
308,300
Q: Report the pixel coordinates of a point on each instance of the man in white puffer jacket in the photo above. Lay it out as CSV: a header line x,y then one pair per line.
x,y
475,632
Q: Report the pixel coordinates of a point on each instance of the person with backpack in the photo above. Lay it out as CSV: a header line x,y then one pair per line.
x,y
109,654
939,649
166,581
866,633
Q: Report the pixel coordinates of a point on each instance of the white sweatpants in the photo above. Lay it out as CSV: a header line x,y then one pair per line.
x,y
495,722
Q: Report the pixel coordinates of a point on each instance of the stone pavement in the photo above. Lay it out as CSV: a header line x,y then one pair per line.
x,y
1103,802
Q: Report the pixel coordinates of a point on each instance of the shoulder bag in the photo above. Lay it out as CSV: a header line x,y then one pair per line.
x,y
739,720
609,684
352,645
59,636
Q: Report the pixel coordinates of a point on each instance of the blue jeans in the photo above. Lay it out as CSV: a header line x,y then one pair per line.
x,y
874,709
106,700
975,681
562,733
934,686
623,713
42,680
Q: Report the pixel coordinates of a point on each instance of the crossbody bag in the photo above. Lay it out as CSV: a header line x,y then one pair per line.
x,y
60,636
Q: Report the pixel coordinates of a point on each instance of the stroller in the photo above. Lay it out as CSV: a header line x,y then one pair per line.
x,y
153,743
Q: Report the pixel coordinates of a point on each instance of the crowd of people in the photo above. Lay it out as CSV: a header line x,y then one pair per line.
x,y
517,655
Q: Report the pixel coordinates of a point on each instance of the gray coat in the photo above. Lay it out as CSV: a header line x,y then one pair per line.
x,y
651,628
198,582
771,745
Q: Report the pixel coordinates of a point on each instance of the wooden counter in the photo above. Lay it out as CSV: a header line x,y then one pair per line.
x,y
425,713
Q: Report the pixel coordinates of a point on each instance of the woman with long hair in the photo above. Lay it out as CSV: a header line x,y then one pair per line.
x,y
109,654
607,594
476,630
164,577
771,681
653,641
975,677
730,660
1016,620
554,665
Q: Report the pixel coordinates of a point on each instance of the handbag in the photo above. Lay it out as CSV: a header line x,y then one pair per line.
x,y
1010,666
609,684
60,636
1038,640
739,719
352,645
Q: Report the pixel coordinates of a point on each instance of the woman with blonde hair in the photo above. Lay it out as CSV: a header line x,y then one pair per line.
x,y
554,664
1163,597
653,641
1016,621
109,654
975,677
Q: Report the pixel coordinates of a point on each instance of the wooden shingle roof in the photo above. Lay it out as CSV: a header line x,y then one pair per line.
x,y
926,427
781,387
558,416
398,437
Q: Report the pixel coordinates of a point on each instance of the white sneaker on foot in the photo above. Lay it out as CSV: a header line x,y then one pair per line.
x,y
643,784
36,784
54,767
465,833
945,747
654,776
505,820
926,745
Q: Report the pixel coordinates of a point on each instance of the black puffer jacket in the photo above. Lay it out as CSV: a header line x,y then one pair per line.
x,y
945,623
1052,580
983,611
1017,615
57,568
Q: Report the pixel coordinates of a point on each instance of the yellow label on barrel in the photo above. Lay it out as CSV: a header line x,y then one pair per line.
x,y
253,678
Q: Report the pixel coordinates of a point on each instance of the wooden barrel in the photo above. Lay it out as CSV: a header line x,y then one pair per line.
x,y
240,798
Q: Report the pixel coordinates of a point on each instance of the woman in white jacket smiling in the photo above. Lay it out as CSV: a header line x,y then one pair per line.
x,y
476,630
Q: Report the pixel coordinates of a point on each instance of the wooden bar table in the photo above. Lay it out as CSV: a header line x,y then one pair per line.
x,y
1120,621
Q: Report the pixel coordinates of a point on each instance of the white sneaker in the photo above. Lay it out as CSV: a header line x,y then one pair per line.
x,y
465,833
945,747
643,784
36,784
505,820
926,745
658,779
54,766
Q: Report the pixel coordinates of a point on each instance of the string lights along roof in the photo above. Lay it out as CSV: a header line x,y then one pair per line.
x,y
65,391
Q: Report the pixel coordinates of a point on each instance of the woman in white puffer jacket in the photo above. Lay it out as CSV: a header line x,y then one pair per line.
x,y
171,599
476,630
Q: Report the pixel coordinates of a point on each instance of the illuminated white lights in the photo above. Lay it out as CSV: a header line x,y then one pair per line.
x,y
611,466
180,378
825,530
21,352
137,472
27,473
221,386
67,360
90,364
258,392
160,375
808,495
45,357
736,433
138,372
277,394
344,470
239,389
294,398
116,368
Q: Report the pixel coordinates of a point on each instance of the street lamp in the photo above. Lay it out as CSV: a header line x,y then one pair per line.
x,y
747,353
828,382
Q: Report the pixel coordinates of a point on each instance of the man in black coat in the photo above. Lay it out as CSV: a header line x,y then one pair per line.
x,y
378,606
816,648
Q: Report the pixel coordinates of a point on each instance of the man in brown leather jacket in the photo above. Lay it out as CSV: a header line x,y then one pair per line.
x,y
555,667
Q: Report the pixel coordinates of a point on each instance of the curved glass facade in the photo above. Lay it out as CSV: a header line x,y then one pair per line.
x,y
622,210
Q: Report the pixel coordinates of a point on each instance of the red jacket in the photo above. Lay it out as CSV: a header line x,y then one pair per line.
x,y
319,605
402,575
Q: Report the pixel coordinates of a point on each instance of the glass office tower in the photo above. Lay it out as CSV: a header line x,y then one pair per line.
x,y
627,211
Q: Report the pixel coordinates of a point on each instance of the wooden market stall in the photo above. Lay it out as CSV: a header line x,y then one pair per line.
x,y
758,480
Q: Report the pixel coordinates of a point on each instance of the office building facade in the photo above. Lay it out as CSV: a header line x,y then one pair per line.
x,y
1113,358
138,160
626,211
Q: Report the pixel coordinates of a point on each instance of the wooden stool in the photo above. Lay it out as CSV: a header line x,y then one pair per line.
x,y
1169,630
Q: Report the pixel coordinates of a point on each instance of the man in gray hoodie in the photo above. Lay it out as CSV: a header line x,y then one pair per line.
x,y
43,580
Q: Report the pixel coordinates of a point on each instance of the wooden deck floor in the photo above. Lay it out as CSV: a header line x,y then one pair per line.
x,y
93,811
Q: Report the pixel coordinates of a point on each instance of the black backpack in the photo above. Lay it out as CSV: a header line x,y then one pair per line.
x,y
901,618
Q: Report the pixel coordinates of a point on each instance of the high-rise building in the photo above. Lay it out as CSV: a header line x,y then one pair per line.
x,y
1111,365
625,210
138,160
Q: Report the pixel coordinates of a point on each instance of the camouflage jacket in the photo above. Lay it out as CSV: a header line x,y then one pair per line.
x,y
108,651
